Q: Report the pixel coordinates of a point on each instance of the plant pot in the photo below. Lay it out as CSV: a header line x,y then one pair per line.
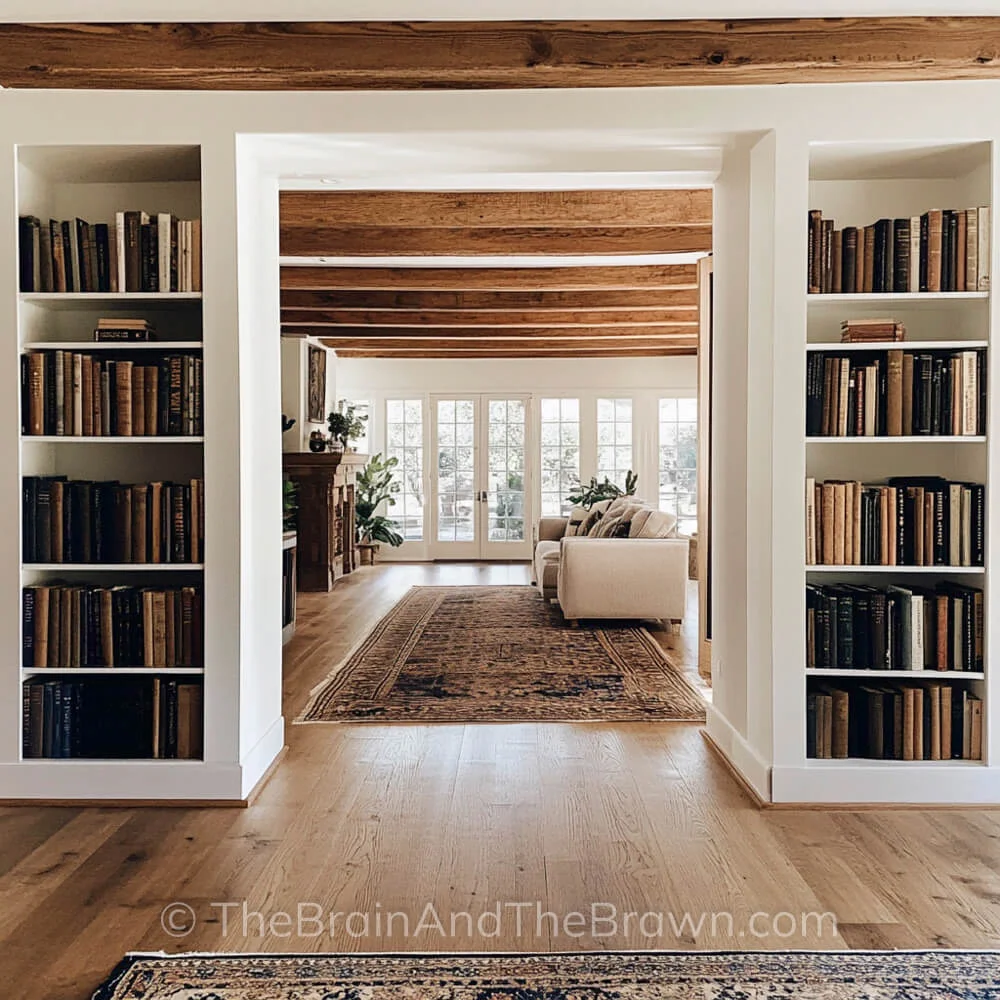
x,y
368,552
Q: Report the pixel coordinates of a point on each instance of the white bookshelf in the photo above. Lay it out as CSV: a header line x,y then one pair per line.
x,y
64,182
856,184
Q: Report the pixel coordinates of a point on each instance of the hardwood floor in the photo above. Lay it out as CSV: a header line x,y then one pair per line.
x,y
373,819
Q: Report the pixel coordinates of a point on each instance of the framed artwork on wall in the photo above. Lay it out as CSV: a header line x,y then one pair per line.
x,y
317,385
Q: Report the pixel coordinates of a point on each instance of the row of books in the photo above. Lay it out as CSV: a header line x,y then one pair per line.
x,y
939,251
896,393
895,628
909,521
135,253
928,721
65,625
79,521
132,718
68,394
288,583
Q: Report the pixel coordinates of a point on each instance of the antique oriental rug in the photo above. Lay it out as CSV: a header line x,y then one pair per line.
x,y
501,654
927,975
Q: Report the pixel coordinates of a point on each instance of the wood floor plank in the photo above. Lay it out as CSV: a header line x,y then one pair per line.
x,y
392,818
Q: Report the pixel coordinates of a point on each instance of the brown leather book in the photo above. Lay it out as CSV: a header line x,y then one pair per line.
x,y
41,626
87,396
869,259
138,400
850,260
77,398
151,381
941,637
883,544
908,727
829,385
147,629
159,628
976,738
36,393
919,707
170,631
189,722
934,249
123,398
932,693
960,255
894,394
839,522
815,251
828,255
849,488
891,503
946,730
827,520
57,513
856,559
843,397
97,397
838,261
841,725
140,517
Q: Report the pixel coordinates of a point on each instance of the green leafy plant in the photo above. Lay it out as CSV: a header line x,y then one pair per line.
x,y
595,492
290,505
376,485
346,425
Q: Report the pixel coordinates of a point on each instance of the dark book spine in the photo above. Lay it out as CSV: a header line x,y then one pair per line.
x,y
810,725
951,236
901,255
26,253
878,278
133,252
845,631
67,245
850,260
103,247
924,243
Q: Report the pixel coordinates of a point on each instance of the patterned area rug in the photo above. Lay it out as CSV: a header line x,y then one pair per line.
x,y
929,975
501,654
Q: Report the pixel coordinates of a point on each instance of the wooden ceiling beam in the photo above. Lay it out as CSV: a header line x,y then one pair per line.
x,y
445,55
389,241
494,335
543,301
444,319
498,279
497,209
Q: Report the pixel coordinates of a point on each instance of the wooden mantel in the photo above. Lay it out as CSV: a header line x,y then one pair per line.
x,y
466,55
326,547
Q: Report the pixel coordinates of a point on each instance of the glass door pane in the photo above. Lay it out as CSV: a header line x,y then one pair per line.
x,y
456,470
505,471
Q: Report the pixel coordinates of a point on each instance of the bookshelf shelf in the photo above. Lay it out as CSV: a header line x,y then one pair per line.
x,y
112,671
968,675
839,347
935,570
87,300
868,762
901,439
117,439
84,346
909,299
114,567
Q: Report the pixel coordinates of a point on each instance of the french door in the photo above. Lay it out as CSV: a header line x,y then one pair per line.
x,y
480,507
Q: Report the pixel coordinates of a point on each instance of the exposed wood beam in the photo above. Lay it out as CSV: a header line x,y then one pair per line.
x,y
580,298
496,209
467,55
492,317
492,335
386,241
506,279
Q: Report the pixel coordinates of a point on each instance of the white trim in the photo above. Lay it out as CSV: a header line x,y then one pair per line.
x,y
744,759
254,764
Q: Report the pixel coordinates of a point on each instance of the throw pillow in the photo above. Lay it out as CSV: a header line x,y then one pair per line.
x,y
593,517
576,518
650,523
622,529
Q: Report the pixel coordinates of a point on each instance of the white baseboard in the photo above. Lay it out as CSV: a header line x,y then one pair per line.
x,y
743,758
254,764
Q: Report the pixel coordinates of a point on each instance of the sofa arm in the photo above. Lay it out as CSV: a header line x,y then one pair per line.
x,y
550,529
623,577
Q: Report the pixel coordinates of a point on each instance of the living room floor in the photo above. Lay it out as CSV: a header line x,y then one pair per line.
x,y
368,819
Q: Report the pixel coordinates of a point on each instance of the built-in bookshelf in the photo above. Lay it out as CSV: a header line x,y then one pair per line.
x,y
897,464
112,670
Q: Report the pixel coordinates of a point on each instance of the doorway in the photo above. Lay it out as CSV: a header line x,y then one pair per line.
x,y
480,493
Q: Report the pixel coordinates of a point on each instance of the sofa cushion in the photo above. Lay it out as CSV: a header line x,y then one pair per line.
x,y
576,518
547,552
617,511
593,517
650,523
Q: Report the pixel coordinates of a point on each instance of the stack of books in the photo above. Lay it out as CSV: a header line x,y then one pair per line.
x,y
129,717
868,331
939,251
135,253
929,721
127,330
908,521
97,626
73,521
895,628
894,393
64,393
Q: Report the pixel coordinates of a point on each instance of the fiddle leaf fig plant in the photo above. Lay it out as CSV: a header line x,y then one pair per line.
x,y
376,485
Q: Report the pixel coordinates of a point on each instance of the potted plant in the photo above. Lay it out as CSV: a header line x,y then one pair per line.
x,y
595,492
374,486
345,426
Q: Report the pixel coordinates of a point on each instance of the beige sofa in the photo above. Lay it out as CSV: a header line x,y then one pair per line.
x,y
621,559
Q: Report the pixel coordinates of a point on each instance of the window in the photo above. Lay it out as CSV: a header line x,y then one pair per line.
x,y
362,408
560,454
404,439
614,439
679,461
